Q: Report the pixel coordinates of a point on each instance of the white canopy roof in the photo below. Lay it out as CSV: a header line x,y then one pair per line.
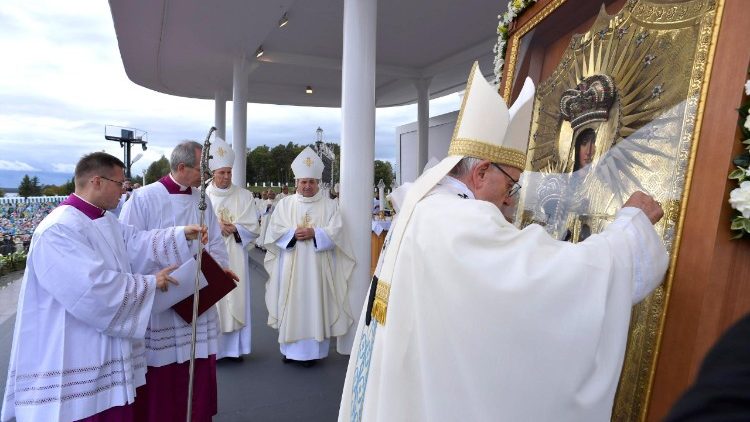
x,y
188,47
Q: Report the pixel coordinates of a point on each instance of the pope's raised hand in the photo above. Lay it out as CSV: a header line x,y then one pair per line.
x,y
647,204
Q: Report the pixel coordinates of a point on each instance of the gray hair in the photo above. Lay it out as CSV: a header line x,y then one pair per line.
x,y
463,168
184,153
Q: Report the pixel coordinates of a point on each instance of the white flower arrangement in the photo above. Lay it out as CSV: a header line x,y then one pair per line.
x,y
739,198
515,7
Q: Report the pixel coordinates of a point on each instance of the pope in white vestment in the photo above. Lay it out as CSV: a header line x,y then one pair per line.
x,y
309,261
472,319
172,201
235,208
82,311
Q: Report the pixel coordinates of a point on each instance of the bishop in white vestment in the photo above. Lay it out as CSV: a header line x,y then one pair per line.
x,y
172,201
472,319
309,261
235,208
77,349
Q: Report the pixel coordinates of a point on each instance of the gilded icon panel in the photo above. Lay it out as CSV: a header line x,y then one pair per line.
x,y
620,113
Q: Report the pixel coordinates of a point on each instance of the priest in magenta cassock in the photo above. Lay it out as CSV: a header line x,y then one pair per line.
x,y
235,208
82,312
172,201
309,260
472,319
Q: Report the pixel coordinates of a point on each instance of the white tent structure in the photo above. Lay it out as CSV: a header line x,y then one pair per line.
x,y
354,54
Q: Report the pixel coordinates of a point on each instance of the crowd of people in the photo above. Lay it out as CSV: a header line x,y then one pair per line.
x,y
18,220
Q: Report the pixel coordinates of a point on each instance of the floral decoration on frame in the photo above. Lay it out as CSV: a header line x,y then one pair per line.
x,y
739,198
515,7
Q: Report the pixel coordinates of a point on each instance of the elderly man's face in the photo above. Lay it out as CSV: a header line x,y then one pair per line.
x,y
307,187
494,186
223,177
190,176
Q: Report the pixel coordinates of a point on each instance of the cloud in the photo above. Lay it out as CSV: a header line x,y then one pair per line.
x,y
63,168
67,82
16,166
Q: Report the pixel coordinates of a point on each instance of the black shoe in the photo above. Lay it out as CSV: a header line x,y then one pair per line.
x,y
308,363
285,359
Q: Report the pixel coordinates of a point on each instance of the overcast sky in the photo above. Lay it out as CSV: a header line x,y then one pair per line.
x,y
62,80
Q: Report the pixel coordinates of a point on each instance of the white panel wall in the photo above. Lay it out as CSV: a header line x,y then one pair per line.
x,y
407,140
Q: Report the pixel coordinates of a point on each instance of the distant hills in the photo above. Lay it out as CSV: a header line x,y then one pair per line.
x,y
10,179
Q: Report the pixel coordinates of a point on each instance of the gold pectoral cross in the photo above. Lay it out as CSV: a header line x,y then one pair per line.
x,y
225,216
306,221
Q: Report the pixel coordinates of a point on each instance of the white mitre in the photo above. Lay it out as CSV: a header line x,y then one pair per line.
x,y
221,155
307,165
485,127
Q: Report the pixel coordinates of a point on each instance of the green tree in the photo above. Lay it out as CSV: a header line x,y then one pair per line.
x,y
383,170
29,187
68,187
50,190
157,169
2,193
36,187
258,165
265,164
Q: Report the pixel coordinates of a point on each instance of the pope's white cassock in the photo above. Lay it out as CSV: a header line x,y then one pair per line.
x,y
473,319
162,204
82,313
306,293
234,205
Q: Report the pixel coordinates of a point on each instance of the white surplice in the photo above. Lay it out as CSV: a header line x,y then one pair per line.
x,y
306,293
235,205
486,322
168,335
82,315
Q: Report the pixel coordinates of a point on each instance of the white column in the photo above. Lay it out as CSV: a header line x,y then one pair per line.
x,y
239,120
423,120
358,145
220,114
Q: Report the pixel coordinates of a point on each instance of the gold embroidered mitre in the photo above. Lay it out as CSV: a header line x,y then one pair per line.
x,y
221,155
307,165
487,129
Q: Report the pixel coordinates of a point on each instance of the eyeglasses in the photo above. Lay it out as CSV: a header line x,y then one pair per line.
x,y
516,186
114,181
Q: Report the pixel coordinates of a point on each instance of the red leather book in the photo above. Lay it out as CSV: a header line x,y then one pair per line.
x,y
219,285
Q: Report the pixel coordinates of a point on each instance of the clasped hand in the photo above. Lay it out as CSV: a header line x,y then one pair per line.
x,y
227,229
304,233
